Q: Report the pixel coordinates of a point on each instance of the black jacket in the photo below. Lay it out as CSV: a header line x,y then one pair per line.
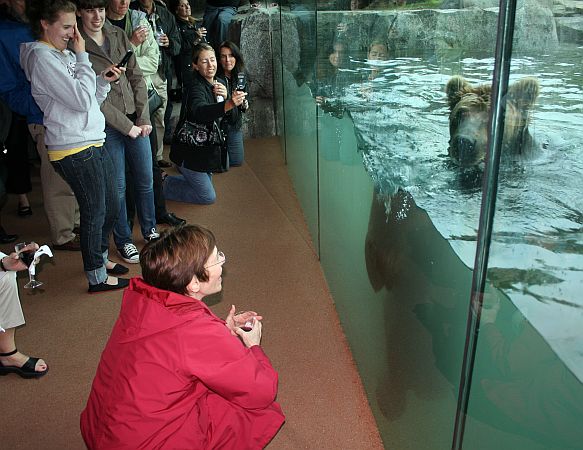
x,y
163,17
201,102
199,106
189,38
234,116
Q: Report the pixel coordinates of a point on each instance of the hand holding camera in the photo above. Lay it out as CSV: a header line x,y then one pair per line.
x,y
115,72
112,73
238,97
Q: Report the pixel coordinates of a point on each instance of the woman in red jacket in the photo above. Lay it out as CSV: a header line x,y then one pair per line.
x,y
173,375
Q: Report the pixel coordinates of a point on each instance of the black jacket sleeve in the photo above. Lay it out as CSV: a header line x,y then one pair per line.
x,y
202,105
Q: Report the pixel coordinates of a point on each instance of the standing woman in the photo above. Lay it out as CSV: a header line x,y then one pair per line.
x,y
231,65
69,93
206,101
191,34
128,125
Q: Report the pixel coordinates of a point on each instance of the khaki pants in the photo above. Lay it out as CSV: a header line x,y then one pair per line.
x,y
158,117
10,311
59,201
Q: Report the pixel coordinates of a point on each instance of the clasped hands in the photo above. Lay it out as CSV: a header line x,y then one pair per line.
x,y
235,321
141,130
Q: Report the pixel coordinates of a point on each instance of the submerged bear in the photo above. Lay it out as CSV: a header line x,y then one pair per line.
x,y
468,119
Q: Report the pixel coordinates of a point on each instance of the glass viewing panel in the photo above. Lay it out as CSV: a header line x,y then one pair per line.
x,y
298,52
527,390
398,219
385,141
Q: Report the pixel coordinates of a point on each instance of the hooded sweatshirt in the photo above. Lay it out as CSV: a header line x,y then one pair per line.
x,y
67,91
172,376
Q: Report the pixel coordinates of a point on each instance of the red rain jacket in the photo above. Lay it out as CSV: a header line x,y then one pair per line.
x,y
173,377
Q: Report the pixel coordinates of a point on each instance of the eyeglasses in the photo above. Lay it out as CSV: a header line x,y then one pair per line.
x,y
221,258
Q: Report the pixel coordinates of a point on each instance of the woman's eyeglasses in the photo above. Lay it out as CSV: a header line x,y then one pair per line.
x,y
221,258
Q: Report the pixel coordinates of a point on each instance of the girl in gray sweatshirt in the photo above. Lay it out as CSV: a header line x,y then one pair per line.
x,y
69,93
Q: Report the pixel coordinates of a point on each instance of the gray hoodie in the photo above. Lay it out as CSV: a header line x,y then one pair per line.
x,y
69,94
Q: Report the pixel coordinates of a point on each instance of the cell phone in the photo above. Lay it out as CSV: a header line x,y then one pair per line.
x,y
241,82
122,63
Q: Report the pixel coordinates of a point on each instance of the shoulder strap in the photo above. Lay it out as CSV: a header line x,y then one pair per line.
x,y
185,107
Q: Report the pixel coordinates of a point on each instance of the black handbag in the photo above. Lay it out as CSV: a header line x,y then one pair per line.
x,y
154,101
199,147
199,135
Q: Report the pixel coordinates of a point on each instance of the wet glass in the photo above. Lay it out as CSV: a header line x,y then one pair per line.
x,y
298,50
527,382
392,189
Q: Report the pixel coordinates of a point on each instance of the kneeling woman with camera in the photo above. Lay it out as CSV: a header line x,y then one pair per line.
x,y
205,104
232,70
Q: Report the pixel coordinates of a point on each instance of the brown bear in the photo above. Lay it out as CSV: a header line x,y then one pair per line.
x,y
468,119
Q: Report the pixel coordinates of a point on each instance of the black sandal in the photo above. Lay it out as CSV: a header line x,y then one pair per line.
x,y
26,371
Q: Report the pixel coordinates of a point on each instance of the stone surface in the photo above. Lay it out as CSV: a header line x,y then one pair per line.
x,y
570,29
261,40
259,121
433,30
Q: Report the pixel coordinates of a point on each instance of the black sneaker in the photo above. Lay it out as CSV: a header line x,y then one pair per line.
x,y
129,253
154,235
104,287
171,219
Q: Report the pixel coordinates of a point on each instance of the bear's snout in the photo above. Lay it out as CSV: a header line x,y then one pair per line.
x,y
463,150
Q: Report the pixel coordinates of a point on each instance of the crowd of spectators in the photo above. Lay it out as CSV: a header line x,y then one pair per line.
x,y
99,127
87,86
161,37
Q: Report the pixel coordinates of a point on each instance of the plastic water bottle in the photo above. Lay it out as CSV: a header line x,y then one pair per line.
x,y
220,98
158,34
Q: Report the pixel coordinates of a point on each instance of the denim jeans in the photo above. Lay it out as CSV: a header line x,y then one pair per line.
x,y
216,20
90,174
235,145
190,187
159,200
137,154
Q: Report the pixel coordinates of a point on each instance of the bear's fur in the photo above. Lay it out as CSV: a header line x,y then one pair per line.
x,y
468,119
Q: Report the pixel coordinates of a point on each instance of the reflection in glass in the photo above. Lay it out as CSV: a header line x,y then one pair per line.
x,y
397,185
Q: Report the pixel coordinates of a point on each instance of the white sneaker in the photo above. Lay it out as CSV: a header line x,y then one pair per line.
x,y
152,236
129,253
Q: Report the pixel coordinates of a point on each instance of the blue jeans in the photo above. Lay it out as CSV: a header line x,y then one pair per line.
x,y
235,145
216,20
190,187
137,154
90,174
